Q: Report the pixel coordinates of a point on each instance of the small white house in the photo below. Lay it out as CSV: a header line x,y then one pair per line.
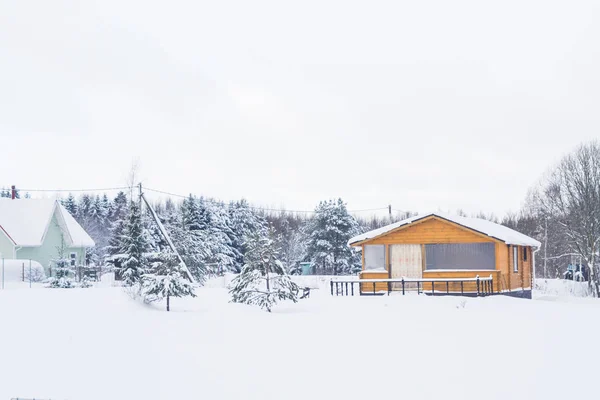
x,y
35,229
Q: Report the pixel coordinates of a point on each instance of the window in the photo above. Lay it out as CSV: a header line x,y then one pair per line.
x,y
73,258
524,253
375,257
465,256
515,259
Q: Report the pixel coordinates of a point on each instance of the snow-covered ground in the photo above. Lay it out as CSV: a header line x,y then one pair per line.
x,y
99,344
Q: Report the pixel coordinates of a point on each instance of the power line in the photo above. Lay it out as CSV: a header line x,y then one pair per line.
x,y
75,190
258,208
184,197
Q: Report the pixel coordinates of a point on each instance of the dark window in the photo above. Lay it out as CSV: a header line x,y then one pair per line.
x,y
524,253
465,256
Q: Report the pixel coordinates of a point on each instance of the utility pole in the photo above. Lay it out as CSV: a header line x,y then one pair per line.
x,y
140,196
390,212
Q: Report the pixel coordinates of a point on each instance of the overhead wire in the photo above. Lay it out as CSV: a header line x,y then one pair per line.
x,y
106,189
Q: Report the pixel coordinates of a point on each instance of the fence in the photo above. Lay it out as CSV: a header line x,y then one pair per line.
x,y
30,271
474,286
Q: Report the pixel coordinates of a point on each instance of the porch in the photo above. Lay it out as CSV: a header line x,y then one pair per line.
x,y
473,287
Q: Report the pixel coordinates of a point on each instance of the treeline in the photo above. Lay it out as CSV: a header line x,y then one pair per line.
x,y
211,235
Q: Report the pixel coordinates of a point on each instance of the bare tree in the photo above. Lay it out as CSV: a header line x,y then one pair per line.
x,y
571,195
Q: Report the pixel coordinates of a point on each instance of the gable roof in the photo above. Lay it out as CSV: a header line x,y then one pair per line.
x,y
26,221
485,227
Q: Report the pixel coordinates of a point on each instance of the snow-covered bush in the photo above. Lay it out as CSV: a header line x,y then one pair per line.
x,y
34,274
86,283
263,280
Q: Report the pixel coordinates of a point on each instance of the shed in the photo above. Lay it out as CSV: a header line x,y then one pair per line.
x,y
439,246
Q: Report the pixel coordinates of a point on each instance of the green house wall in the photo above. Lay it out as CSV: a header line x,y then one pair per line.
x,y
48,251
6,246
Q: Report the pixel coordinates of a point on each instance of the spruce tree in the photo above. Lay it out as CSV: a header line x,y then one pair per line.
x,y
61,268
263,280
330,229
166,279
133,247
70,205
243,223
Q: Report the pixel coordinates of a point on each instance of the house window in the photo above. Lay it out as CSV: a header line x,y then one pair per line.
x,y
461,256
73,259
515,259
374,257
524,253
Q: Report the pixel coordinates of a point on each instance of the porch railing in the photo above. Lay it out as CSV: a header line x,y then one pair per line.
x,y
478,286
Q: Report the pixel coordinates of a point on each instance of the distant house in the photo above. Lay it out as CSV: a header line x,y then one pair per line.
x,y
437,246
36,228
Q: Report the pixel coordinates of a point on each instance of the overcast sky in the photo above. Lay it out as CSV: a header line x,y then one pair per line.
x,y
426,105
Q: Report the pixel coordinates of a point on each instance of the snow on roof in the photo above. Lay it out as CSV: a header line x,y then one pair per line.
x,y
489,228
25,222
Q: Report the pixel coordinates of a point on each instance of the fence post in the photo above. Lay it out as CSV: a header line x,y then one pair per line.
x,y
432,288
389,287
30,273
331,284
477,285
22,272
402,286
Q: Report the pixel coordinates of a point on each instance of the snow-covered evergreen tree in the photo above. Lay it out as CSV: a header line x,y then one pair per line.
x,y
61,271
330,229
166,279
133,247
263,280
243,222
70,205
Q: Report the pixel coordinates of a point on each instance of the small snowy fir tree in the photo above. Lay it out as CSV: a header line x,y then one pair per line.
x,y
166,279
61,269
133,247
263,280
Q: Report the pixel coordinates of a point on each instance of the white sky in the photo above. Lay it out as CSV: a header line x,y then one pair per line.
x,y
426,105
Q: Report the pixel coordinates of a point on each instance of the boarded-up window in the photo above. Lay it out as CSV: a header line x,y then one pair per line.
x,y
374,256
461,256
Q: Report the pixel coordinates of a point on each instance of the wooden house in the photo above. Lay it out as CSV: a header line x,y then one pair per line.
x,y
436,246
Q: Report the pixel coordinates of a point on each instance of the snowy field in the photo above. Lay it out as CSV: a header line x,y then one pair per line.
x,y
97,343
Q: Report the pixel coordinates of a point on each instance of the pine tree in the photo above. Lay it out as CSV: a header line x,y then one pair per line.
x,y
263,280
166,279
70,205
61,268
330,230
119,208
243,222
133,247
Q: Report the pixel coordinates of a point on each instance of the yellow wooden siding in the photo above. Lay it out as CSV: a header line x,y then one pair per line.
x,y
431,231
502,265
379,286
455,286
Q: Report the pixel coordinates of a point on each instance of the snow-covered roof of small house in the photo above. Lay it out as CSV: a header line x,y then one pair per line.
x,y
26,221
489,228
